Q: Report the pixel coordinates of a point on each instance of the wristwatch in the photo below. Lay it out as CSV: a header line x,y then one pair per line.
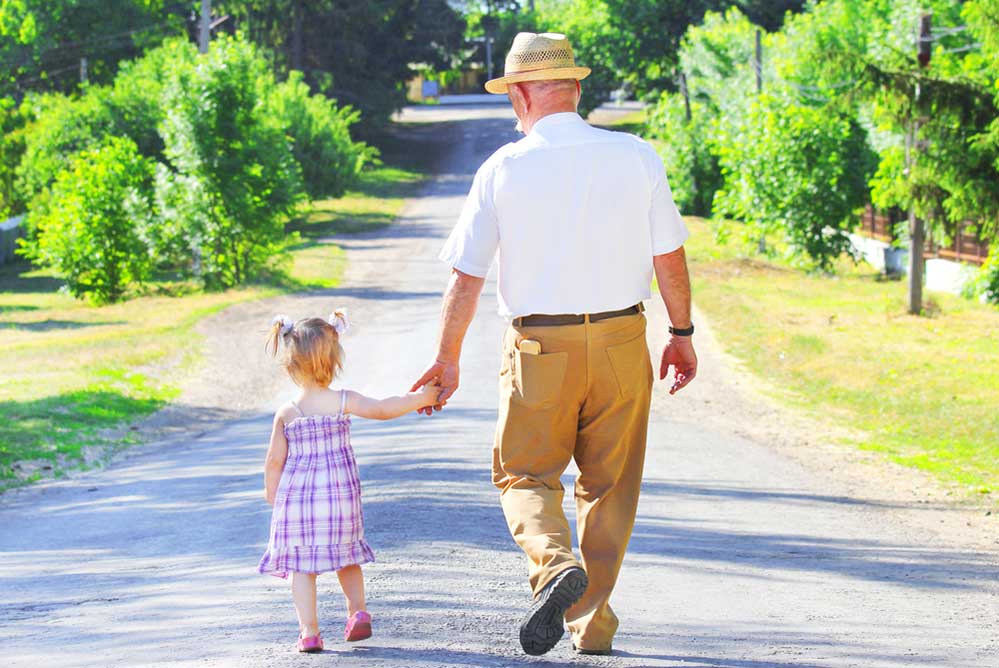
x,y
686,331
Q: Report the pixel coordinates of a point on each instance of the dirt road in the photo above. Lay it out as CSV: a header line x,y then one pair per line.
x,y
742,557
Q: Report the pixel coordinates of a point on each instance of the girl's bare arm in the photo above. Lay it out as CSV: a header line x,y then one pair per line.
x,y
277,453
391,407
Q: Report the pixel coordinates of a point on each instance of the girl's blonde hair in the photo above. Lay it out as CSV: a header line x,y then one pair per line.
x,y
312,351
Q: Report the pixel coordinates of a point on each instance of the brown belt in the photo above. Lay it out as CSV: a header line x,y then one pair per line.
x,y
573,318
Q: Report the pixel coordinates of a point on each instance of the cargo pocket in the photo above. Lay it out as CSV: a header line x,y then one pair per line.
x,y
632,365
537,379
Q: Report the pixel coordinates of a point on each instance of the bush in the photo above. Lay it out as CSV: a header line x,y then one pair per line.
x,y
320,138
985,284
798,171
685,146
89,228
11,149
231,176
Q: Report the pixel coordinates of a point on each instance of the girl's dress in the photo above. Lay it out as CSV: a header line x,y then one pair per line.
x,y
317,525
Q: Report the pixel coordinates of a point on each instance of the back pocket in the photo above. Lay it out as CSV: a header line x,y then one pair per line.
x,y
537,379
632,365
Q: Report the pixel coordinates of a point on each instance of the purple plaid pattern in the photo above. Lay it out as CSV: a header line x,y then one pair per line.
x,y
317,524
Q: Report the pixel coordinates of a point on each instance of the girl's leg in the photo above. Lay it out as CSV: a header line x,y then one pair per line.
x,y
352,583
303,591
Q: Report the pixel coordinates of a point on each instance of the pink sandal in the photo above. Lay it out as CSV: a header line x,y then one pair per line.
x,y
358,627
310,645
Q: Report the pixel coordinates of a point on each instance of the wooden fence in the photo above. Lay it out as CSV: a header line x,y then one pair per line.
x,y
966,246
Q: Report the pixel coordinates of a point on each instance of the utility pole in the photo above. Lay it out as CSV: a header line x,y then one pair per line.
x,y
917,232
759,61
489,25
758,66
296,35
205,26
83,69
686,94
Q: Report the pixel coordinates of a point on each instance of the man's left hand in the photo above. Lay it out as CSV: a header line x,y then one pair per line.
x,y
446,373
679,353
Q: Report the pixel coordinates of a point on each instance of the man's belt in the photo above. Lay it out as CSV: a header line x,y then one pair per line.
x,y
574,318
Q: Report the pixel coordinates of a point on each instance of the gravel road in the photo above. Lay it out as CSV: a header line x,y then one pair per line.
x,y
745,554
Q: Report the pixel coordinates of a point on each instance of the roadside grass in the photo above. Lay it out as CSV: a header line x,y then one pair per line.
x,y
923,390
73,376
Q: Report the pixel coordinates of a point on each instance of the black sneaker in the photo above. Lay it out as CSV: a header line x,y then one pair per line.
x,y
545,622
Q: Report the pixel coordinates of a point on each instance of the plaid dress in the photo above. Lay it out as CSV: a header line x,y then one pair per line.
x,y
317,525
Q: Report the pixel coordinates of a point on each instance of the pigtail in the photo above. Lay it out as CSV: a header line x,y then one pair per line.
x,y
339,321
281,326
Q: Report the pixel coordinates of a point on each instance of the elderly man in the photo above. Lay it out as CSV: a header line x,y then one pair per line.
x,y
580,218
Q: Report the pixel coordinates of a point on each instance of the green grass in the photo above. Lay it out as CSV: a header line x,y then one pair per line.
x,y
74,375
924,391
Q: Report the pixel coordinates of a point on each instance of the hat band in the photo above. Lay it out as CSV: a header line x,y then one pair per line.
x,y
540,69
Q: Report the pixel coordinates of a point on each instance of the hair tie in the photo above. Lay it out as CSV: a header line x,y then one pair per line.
x,y
287,324
339,321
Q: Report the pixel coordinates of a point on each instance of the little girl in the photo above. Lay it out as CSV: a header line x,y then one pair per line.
x,y
310,476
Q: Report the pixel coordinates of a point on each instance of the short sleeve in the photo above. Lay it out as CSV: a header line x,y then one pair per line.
x,y
667,227
472,244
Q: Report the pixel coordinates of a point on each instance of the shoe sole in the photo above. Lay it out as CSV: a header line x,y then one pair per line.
x,y
593,652
360,631
310,650
545,622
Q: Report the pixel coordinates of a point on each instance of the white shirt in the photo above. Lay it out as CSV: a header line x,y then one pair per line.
x,y
576,214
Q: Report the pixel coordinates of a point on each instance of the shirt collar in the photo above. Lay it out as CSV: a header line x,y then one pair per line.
x,y
550,121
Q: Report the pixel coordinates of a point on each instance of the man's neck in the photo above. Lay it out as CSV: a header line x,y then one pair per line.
x,y
533,118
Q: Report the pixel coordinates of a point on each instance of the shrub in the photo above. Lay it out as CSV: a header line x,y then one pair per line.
x,y
985,284
89,227
685,146
11,149
798,171
320,137
231,176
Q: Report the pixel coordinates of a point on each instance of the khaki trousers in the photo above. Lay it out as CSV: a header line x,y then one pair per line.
x,y
585,397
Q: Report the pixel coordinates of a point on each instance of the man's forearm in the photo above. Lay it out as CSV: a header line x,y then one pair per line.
x,y
460,301
674,285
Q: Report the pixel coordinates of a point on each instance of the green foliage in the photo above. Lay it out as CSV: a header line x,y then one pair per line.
x,y
11,150
587,24
359,53
231,176
636,43
685,146
89,228
62,127
320,139
798,171
42,41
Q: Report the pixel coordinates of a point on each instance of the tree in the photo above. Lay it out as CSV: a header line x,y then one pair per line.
x,y
89,228
42,41
231,176
796,170
320,137
359,53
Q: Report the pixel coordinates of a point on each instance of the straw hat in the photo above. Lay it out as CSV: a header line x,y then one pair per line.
x,y
538,57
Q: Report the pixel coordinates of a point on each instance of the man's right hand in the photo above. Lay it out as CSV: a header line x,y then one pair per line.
x,y
446,373
679,354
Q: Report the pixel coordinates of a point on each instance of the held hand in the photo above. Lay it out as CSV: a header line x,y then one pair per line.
x,y
679,353
442,373
430,393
